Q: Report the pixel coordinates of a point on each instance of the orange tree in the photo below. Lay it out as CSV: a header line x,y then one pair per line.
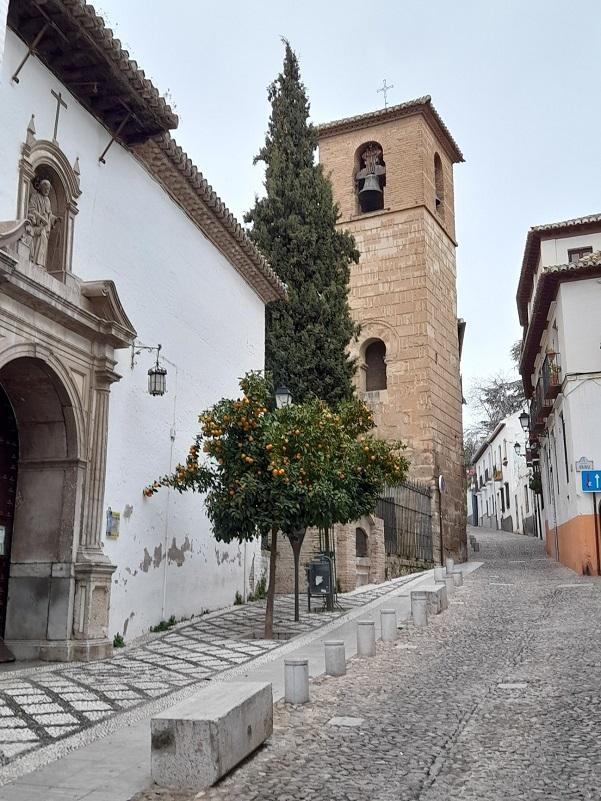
x,y
268,470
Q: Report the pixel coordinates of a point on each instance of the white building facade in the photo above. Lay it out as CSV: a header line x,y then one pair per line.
x,y
499,491
559,303
137,251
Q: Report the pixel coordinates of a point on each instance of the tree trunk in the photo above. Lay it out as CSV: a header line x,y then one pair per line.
x,y
296,541
271,585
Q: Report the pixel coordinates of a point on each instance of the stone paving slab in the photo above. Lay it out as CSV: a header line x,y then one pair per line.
x,y
498,698
55,708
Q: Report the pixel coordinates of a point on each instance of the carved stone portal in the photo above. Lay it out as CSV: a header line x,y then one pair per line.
x,y
58,335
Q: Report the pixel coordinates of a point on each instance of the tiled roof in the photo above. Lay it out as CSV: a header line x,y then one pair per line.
x,y
409,107
549,280
532,250
76,45
180,177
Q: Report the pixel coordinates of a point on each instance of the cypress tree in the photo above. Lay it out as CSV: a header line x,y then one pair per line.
x,y
294,225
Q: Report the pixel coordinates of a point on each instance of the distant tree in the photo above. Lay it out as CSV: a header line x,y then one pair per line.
x,y
307,336
491,399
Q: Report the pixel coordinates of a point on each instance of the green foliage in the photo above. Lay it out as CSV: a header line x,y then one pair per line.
x,y
164,625
260,590
303,465
118,641
238,599
295,227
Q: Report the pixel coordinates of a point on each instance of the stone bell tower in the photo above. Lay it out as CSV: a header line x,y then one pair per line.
x,y
392,176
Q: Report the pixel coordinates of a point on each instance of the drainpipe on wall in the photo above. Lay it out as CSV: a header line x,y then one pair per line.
x,y
172,434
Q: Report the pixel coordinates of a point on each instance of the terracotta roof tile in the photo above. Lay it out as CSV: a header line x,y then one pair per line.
x,y
181,178
420,104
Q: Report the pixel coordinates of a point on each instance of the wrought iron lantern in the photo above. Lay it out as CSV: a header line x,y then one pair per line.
x,y
157,378
524,421
157,375
283,397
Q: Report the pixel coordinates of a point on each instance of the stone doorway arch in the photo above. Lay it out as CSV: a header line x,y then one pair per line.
x,y
47,504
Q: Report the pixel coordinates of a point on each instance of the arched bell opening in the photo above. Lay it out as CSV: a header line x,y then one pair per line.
x,y
370,177
44,521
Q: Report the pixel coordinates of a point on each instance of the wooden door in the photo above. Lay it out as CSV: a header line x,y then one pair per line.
x,y
9,459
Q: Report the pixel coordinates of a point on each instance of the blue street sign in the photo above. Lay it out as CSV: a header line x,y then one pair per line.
x,y
591,480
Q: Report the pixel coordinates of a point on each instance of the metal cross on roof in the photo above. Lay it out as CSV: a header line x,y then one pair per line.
x,y
385,89
59,102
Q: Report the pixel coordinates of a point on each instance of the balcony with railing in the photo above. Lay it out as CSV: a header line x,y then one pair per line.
x,y
540,408
551,376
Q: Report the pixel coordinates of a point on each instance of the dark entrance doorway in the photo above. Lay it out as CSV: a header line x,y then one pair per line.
x,y
9,460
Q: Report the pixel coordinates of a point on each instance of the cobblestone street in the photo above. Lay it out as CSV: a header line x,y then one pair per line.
x,y
497,699
54,704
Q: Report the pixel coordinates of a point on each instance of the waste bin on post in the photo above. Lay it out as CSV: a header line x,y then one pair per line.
x,y
319,580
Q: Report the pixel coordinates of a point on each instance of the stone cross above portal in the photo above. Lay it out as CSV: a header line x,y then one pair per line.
x,y
385,90
59,102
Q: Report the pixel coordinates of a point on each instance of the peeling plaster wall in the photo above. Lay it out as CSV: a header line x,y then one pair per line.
x,y
177,289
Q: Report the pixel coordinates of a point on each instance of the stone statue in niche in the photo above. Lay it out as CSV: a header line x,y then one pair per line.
x,y
39,213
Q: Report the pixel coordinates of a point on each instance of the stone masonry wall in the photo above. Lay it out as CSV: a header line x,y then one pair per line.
x,y
403,291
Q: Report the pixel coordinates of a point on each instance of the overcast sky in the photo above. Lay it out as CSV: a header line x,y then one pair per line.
x,y
516,81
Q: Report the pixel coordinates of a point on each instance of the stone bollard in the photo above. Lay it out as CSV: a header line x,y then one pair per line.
x,y
389,625
296,681
366,638
476,546
450,565
419,607
457,578
335,658
439,573
450,585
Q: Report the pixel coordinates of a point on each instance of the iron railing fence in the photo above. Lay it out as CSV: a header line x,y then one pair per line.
x,y
407,513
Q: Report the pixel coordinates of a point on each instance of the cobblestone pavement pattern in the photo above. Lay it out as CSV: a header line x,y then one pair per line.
x,y
497,699
45,706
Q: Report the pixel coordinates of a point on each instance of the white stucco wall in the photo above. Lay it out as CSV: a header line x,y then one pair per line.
x,y
555,251
177,289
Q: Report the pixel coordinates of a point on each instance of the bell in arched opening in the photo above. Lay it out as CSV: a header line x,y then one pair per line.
x,y
371,179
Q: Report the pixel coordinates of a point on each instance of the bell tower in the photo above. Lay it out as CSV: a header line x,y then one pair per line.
x,y
392,177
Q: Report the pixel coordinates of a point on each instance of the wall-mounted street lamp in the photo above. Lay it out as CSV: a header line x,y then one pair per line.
x,y
157,375
283,397
525,421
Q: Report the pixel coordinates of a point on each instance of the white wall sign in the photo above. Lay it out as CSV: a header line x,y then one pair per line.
x,y
584,464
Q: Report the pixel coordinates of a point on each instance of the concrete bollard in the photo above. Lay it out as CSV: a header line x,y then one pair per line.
x,y
296,681
335,658
450,585
419,607
389,625
476,547
450,563
439,573
366,638
457,578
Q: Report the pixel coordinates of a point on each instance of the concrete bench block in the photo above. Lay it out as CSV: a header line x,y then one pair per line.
x,y
457,577
196,742
435,600
439,573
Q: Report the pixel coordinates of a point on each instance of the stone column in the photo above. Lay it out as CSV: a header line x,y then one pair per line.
x,y
93,569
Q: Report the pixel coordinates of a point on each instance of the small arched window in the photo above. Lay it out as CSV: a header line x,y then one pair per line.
x,y
375,366
370,177
438,184
360,542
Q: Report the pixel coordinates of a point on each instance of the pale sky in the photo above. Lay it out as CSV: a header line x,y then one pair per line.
x,y
517,83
